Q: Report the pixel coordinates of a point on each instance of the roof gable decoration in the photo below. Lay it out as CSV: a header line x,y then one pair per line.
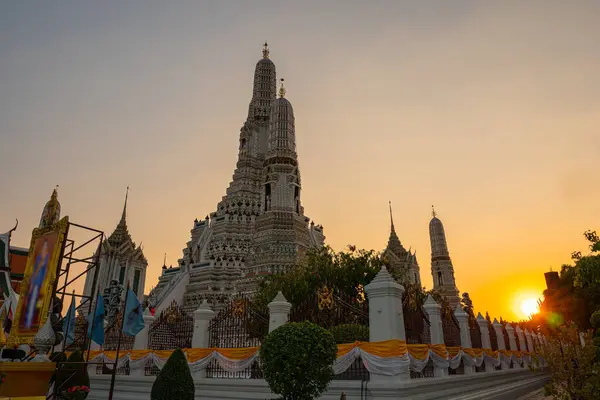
x,y
5,247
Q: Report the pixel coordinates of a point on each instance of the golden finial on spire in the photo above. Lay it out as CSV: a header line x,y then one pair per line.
x,y
266,50
282,90
123,216
433,213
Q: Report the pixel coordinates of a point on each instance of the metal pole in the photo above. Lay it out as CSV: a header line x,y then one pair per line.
x,y
114,372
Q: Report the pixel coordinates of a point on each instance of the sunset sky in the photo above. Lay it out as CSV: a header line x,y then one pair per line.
x,y
489,110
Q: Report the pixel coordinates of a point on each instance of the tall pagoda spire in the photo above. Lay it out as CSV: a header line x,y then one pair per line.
x,y
121,233
392,219
264,90
442,269
394,243
124,215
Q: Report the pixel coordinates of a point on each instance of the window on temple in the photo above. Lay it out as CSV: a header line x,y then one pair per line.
x,y
440,280
267,195
136,281
122,275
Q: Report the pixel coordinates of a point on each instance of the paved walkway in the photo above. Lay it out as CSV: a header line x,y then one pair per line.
x,y
537,395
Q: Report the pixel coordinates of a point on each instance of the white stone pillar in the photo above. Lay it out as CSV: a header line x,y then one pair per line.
x,y
500,339
433,311
529,340
486,342
141,339
465,334
510,330
386,320
279,312
512,341
201,336
202,317
522,345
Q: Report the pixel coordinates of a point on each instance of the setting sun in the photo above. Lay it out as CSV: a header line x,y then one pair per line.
x,y
529,307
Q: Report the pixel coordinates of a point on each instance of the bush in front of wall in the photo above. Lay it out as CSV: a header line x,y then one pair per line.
x,y
297,360
175,380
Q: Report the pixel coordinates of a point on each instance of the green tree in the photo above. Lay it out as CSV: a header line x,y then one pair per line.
x,y
575,374
175,380
297,360
578,292
344,272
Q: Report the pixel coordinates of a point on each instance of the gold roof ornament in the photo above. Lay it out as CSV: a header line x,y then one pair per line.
x,y
266,50
282,90
51,213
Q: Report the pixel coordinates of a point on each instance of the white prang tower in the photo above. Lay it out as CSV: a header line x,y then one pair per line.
x,y
259,227
441,264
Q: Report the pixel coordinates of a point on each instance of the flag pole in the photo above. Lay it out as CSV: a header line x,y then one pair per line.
x,y
114,372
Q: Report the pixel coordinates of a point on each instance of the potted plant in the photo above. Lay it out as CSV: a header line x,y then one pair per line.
x,y
72,379
76,393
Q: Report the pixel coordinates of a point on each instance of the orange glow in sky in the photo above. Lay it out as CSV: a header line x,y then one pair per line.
x,y
488,110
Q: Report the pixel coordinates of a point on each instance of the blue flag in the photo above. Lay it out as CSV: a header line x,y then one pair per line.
x,y
69,323
134,318
96,322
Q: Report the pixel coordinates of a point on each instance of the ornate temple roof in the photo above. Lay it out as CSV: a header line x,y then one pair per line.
x,y
394,244
121,234
121,238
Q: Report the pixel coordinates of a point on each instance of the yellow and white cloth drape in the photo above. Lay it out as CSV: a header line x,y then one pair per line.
x,y
390,357
231,360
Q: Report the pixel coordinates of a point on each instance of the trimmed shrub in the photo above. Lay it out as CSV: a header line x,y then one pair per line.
x,y
175,380
297,359
350,333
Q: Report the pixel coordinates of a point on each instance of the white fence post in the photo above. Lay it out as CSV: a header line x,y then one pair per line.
x,y
141,339
279,312
522,345
433,311
386,320
529,341
510,330
500,339
486,342
465,335
200,339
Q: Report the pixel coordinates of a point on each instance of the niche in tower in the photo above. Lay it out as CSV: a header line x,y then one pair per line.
x,y
440,279
297,198
267,196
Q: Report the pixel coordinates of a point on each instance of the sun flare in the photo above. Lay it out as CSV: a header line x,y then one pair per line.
x,y
529,307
